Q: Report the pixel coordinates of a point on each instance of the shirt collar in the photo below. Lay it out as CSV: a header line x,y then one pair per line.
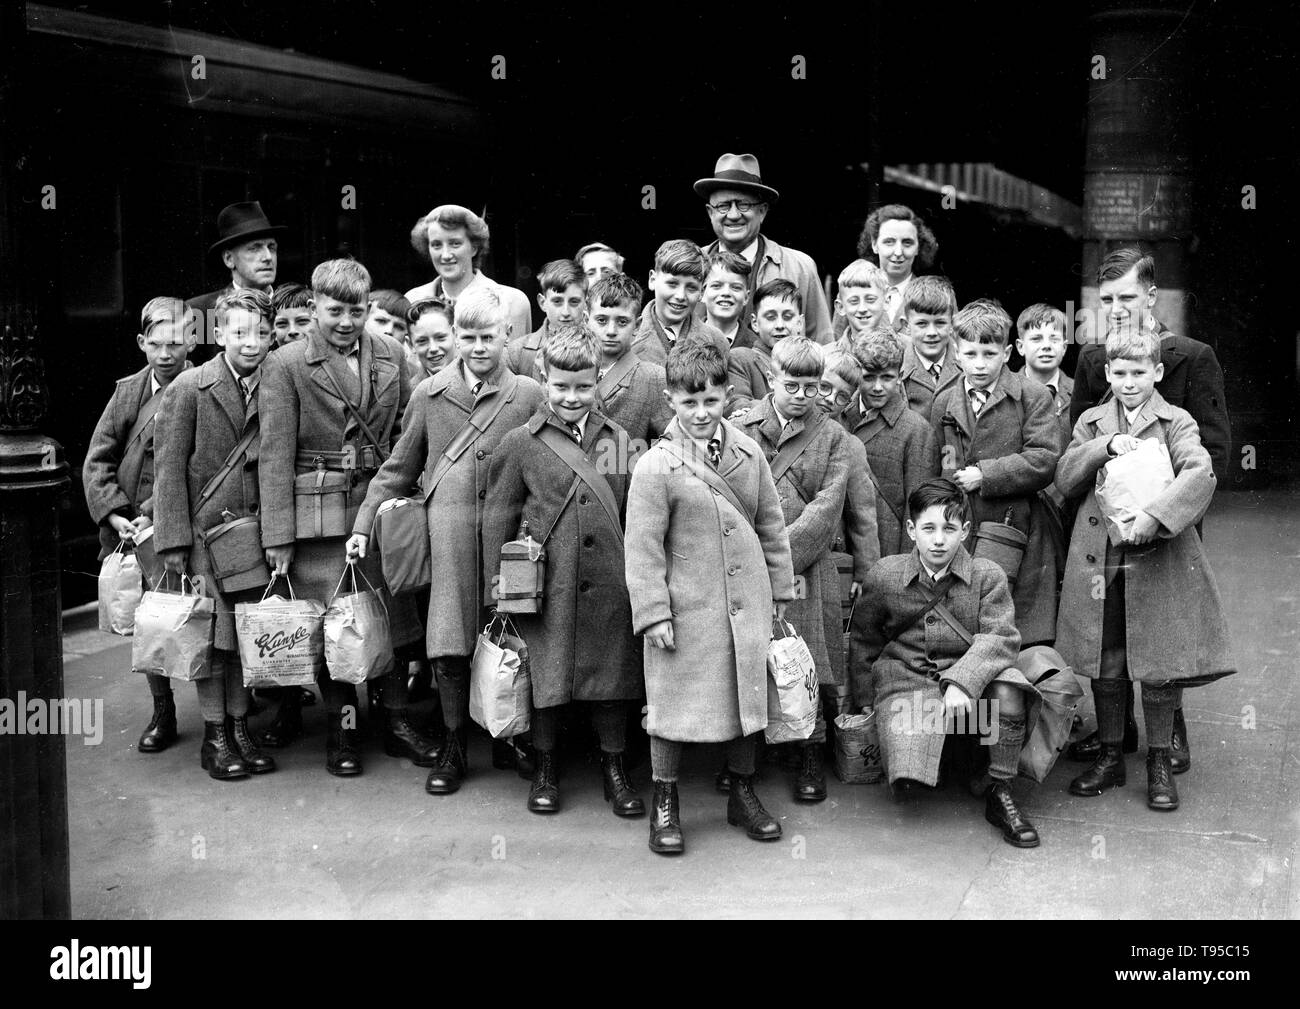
x,y
750,251
581,421
784,420
732,333
155,385
251,379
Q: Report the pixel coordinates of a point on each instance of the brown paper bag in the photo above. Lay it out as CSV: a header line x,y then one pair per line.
x,y
281,641
358,645
500,688
791,687
120,591
173,634
857,749
1129,483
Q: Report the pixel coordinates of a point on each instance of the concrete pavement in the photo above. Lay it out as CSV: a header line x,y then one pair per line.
x,y
154,837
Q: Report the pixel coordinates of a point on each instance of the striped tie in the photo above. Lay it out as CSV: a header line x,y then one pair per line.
x,y
715,452
978,397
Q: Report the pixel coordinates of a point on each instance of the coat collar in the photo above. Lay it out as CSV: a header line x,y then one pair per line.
x,y
1106,415
960,568
913,368
889,414
763,413
544,416
215,375
736,446
450,383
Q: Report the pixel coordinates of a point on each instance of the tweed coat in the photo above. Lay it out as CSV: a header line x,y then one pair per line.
x,y
1174,617
519,310
439,408
694,560
813,492
927,655
1193,381
108,466
523,353
581,646
902,452
648,345
202,419
747,371
637,404
302,412
1060,403
780,262
1013,441
919,385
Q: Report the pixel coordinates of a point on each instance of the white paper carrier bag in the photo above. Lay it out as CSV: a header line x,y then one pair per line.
x,y
500,688
173,634
120,591
1130,482
791,687
281,641
358,644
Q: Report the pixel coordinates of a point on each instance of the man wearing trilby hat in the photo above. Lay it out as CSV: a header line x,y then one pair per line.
x,y
737,202
246,243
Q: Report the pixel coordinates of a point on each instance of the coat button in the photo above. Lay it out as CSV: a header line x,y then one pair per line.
x,y
582,499
479,454
584,586
1092,520
931,619
734,609
734,569
482,494
727,530
1092,559
589,541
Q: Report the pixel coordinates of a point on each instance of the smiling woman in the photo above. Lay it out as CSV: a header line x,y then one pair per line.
x,y
898,239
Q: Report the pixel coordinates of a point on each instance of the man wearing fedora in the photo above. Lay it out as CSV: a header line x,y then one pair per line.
x,y
246,243
737,200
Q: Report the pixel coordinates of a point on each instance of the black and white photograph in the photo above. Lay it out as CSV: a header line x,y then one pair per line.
x,y
649,462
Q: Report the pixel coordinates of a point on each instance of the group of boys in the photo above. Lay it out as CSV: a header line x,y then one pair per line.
x,y
750,466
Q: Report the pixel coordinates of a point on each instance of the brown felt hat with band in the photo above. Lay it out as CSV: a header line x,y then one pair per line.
x,y
737,171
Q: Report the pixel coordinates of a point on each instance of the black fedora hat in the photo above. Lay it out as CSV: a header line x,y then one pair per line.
x,y
736,171
240,222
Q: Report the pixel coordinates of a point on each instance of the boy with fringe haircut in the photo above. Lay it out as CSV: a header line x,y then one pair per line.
x,y
676,282
860,303
778,314
726,296
581,646
1040,340
998,443
810,456
929,365
708,565
291,304
630,391
563,301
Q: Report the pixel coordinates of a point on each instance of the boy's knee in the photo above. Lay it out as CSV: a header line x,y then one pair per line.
x,y
1011,700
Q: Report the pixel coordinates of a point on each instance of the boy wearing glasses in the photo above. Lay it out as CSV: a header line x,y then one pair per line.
x,y
810,458
736,201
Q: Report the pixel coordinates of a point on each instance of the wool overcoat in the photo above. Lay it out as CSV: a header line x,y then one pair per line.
x,y
1014,444
440,407
694,560
581,646
747,371
1173,614
202,419
916,659
651,343
919,385
636,403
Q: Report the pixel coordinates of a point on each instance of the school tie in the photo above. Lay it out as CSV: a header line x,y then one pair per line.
x,y
978,397
474,391
715,452
936,369
575,432
247,388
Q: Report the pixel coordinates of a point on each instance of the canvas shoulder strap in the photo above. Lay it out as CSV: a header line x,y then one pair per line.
x,y
356,415
576,459
615,374
880,496
147,413
789,453
480,419
232,460
709,475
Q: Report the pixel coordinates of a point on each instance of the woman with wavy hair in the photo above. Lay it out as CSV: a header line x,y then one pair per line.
x,y
897,238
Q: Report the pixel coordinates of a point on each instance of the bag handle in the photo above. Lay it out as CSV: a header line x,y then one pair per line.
x,y
271,583
185,580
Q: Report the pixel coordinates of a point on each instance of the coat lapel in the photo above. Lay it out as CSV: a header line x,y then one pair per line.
x,y
221,383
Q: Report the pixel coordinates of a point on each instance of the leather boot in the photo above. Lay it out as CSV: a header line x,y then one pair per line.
x,y
452,765
341,757
217,755
401,740
1089,747
544,796
1162,793
287,724
619,793
160,733
666,821
1180,752
810,782
1000,809
723,780
744,810
257,761
1106,772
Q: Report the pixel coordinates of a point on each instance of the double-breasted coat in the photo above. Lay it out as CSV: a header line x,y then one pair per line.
x,y
902,453
581,645
914,660
1174,618
812,492
303,414
694,560
636,403
651,342
919,385
440,407
1014,444
202,419
118,478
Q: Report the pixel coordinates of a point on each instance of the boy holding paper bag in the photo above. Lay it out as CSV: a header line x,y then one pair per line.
x,y
207,458
1159,620
563,477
